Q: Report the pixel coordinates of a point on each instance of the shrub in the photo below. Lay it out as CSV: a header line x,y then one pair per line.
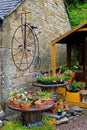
x,y
16,125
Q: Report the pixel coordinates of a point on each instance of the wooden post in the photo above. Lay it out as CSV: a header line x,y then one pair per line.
x,y
53,59
86,63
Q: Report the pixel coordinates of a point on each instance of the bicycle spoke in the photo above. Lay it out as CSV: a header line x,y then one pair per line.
x,y
29,52
21,60
17,53
29,44
26,58
18,41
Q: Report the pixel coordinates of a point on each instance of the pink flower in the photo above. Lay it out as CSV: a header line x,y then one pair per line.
x,y
30,91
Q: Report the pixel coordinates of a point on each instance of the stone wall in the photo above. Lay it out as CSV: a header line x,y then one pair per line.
x,y
51,18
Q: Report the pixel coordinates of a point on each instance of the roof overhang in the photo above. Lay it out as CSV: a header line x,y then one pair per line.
x,y
76,35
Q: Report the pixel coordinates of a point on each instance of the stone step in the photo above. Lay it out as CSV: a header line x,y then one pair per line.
x,y
63,120
54,115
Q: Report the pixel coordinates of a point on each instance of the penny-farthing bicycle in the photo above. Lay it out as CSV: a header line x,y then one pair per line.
x,y
23,47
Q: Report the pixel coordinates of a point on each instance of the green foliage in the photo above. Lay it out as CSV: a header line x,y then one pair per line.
x,y
63,69
75,86
59,108
45,79
44,127
44,117
15,125
77,11
48,79
74,2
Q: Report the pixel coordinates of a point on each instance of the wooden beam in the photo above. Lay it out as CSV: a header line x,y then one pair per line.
x,y
53,59
82,29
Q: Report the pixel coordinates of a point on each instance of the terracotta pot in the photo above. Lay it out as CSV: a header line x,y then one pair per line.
x,y
44,101
69,81
39,105
73,74
54,110
66,106
17,104
55,104
11,101
25,106
48,101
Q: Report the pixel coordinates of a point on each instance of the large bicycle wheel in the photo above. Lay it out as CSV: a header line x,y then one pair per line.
x,y
23,47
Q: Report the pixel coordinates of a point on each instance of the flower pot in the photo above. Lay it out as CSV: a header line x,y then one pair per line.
x,y
11,101
73,74
69,81
73,96
59,113
44,101
66,106
55,104
39,105
48,101
17,104
25,106
54,110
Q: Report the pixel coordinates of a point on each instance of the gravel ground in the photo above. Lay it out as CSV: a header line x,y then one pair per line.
x,y
77,123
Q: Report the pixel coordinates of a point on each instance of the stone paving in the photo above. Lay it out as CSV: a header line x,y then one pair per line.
x,y
77,123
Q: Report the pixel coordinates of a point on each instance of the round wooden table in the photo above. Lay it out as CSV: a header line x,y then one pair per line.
x,y
32,115
53,88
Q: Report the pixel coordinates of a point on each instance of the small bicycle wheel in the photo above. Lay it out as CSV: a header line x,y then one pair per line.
x,y
23,47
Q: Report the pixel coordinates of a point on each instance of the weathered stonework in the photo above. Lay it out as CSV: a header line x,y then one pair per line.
x,y
51,18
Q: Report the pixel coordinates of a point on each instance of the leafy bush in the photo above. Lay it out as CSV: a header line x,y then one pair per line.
x,y
77,11
16,125
43,127
76,86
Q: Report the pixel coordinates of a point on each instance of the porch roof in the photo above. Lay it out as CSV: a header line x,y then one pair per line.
x,y
76,35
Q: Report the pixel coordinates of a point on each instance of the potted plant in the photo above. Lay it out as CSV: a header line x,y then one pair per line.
x,y
54,79
39,104
26,104
73,92
62,69
59,110
61,79
68,72
68,79
44,80
75,86
48,97
11,100
17,103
